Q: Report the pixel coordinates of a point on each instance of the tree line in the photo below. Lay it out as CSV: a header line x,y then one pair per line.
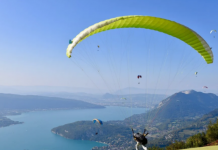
x,y
197,140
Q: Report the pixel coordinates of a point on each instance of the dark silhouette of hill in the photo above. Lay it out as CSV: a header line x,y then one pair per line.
x,y
30,102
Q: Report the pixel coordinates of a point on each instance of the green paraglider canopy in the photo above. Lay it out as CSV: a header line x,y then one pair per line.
x,y
162,25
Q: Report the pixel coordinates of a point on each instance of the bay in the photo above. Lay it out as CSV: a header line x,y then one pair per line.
x,y
35,133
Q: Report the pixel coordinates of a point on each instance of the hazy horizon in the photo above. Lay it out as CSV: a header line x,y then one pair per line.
x,y
40,90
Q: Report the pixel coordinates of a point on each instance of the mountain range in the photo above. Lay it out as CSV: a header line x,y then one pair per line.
x,y
186,104
31,102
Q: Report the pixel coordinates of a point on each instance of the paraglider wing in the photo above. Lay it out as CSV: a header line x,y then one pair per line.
x,y
97,120
205,87
139,76
212,31
162,25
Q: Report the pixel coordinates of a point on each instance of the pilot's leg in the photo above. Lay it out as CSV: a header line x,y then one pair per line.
x,y
145,148
137,145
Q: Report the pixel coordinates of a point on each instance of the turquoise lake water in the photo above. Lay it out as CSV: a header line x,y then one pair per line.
x,y
35,133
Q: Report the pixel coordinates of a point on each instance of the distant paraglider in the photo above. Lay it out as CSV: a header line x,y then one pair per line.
x,y
196,73
139,76
212,32
99,123
205,87
97,120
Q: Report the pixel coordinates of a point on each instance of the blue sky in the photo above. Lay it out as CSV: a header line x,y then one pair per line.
x,y
34,36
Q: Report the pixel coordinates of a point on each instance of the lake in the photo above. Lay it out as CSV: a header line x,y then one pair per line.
x,y
35,133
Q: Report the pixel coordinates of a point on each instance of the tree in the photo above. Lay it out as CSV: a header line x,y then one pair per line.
x,y
176,145
197,140
212,132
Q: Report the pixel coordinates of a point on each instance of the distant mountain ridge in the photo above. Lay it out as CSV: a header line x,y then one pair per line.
x,y
187,104
108,96
108,99
31,102
135,90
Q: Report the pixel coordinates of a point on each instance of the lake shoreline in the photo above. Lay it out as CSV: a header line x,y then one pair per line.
x,y
106,144
20,112
38,124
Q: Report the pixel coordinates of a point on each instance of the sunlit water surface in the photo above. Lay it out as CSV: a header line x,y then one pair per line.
x,y
35,133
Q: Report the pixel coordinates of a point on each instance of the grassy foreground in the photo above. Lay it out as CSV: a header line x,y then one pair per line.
x,y
204,148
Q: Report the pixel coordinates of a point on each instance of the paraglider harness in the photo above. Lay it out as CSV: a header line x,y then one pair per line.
x,y
140,137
